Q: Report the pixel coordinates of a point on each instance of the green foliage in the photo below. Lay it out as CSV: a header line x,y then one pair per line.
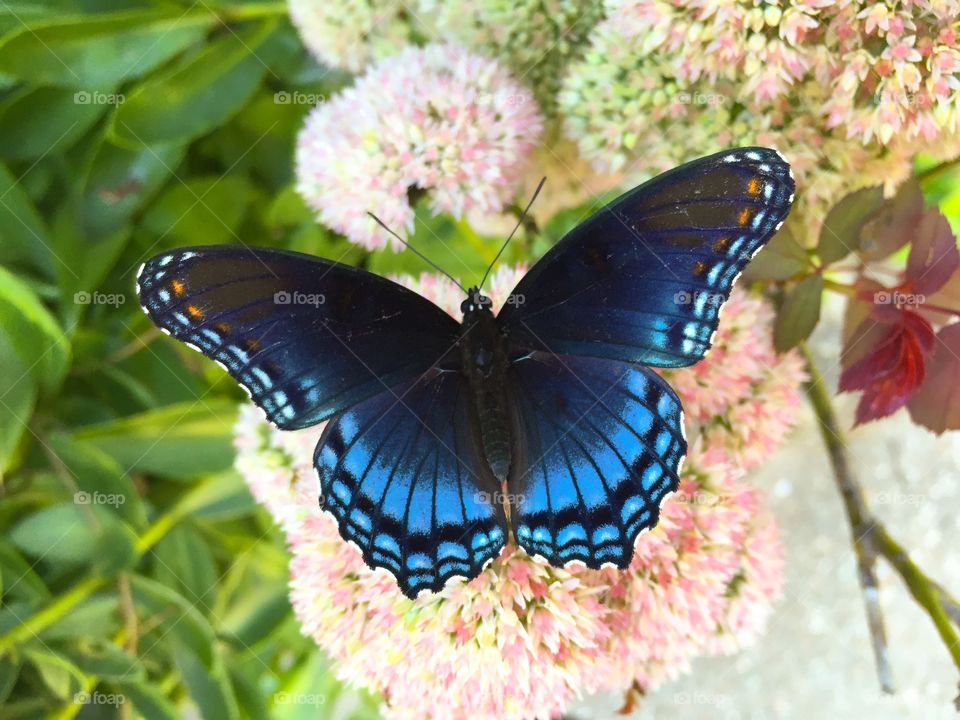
x,y
136,572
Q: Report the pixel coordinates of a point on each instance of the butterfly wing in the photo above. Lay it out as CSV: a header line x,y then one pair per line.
x,y
306,337
644,278
600,444
403,474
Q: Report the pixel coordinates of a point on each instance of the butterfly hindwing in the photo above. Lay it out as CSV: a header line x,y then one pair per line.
x,y
643,280
403,474
600,445
306,337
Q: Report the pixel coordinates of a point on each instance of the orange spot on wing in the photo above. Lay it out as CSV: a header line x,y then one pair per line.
x,y
721,244
699,268
743,216
251,344
176,286
753,187
194,312
223,327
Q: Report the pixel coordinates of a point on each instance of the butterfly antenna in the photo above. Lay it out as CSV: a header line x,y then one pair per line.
x,y
419,254
523,217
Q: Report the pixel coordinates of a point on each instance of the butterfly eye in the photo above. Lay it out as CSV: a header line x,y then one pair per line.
x,y
465,306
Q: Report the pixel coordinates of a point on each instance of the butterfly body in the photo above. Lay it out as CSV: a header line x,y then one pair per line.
x,y
484,362
543,423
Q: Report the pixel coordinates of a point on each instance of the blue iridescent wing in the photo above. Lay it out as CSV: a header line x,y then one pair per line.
x,y
306,337
643,280
600,444
404,476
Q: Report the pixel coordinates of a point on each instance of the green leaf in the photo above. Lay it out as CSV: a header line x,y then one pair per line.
x,y
18,394
74,533
219,497
799,313
23,581
183,562
175,618
781,258
59,674
198,96
85,263
840,233
121,181
149,701
97,616
66,117
105,661
98,52
209,687
23,235
100,478
207,207
32,331
177,441
9,673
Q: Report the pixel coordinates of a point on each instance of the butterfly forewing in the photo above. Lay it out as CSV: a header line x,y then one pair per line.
x,y
306,337
644,279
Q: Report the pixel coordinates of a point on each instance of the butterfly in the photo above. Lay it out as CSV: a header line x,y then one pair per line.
x,y
542,425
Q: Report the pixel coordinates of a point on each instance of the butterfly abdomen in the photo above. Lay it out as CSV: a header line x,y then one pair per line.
x,y
484,361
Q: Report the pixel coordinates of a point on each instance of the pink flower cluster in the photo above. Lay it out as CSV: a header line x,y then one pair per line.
x,y
437,120
524,639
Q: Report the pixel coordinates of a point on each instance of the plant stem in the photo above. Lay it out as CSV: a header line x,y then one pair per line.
x,y
937,169
858,514
252,11
37,622
872,539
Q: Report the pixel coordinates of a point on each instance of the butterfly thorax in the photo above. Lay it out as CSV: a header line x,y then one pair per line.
x,y
483,351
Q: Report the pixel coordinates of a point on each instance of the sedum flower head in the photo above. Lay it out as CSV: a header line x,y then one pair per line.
x,y
438,120
349,34
848,91
536,39
524,639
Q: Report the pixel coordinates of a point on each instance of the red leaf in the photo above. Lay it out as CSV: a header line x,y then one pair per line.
x,y
893,366
933,256
936,405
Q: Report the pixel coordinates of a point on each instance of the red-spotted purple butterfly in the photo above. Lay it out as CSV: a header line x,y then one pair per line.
x,y
542,422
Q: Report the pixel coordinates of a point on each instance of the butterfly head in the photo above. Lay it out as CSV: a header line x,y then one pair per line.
x,y
475,302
